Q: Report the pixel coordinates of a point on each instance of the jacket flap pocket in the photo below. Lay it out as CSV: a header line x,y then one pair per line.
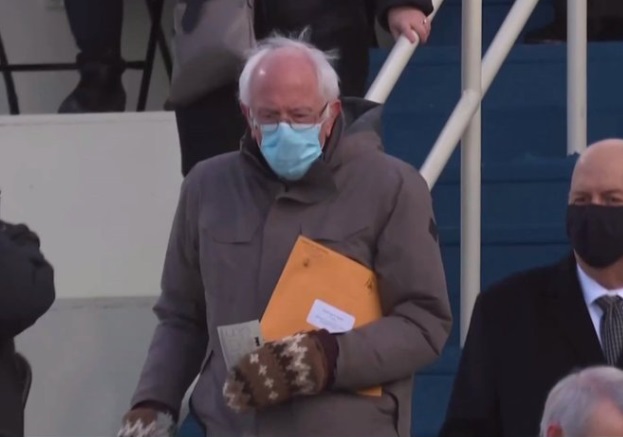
x,y
238,230
333,231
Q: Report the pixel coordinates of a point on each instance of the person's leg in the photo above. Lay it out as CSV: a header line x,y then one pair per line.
x,y
210,126
11,388
96,27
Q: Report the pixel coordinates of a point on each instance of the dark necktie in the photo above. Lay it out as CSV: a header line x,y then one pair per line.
x,y
611,327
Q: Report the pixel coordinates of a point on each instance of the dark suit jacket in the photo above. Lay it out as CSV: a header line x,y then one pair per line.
x,y
526,333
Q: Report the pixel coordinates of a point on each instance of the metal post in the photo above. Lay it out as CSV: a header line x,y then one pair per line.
x,y
470,164
576,75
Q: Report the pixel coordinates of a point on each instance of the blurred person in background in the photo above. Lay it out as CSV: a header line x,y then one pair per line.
x,y
213,124
605,23
26,293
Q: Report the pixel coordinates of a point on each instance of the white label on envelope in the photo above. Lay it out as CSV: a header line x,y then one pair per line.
x,y
239,340
334,320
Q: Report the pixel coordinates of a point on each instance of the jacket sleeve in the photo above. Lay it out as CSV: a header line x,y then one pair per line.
x,y
473,408
413,294
26,281
180,340
383,6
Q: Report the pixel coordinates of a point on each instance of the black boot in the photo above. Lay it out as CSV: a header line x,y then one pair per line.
x,y
100,88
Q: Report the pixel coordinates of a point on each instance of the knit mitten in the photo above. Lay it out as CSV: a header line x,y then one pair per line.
x,y
147,422
302,364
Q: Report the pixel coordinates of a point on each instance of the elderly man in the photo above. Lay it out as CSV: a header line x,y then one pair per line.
x,y
588,403
310,165
531,329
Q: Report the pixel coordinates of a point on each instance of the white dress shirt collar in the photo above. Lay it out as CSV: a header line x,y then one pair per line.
x,y
593,291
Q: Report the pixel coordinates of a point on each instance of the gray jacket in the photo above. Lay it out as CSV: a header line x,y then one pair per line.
x,y
235,226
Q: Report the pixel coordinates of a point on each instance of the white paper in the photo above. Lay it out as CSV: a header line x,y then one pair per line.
x,y
334,320
238,340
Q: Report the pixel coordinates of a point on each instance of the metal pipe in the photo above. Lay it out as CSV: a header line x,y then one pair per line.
x,y
471,58
494,58
449,137
504,40
391,70
576,76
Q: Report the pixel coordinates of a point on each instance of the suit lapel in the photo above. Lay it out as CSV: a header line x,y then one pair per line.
x,y
567,305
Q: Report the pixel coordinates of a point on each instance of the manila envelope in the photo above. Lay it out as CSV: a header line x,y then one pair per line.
x,y
321,289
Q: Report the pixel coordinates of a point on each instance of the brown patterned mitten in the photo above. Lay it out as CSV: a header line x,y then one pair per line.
x,y
147,422
302,364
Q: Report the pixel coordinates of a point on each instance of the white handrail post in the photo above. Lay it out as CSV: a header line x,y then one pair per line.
x,y
576,75
470,164
449,137
391,70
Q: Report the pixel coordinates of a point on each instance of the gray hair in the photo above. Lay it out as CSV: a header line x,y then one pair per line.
x,y
571,402
328,79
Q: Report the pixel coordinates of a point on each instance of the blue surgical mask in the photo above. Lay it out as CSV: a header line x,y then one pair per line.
x,y
288,151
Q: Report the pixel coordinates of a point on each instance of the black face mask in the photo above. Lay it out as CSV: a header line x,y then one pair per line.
x,y
596,233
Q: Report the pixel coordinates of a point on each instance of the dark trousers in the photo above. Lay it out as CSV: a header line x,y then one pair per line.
x,y
96,26
214,124
11,410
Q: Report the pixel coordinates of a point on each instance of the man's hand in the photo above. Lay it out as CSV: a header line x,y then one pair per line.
x,y
302,364
405,20
147,422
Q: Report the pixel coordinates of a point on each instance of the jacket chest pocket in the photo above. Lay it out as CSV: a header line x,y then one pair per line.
x,y
229,262
354,239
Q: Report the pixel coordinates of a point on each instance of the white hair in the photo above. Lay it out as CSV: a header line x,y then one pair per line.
x,y
328,80
572,401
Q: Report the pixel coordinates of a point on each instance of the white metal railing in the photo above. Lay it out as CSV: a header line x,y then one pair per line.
x,y
576,76
464,123
471,65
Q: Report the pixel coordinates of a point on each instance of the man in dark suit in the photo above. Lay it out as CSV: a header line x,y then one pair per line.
x,y
532,329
